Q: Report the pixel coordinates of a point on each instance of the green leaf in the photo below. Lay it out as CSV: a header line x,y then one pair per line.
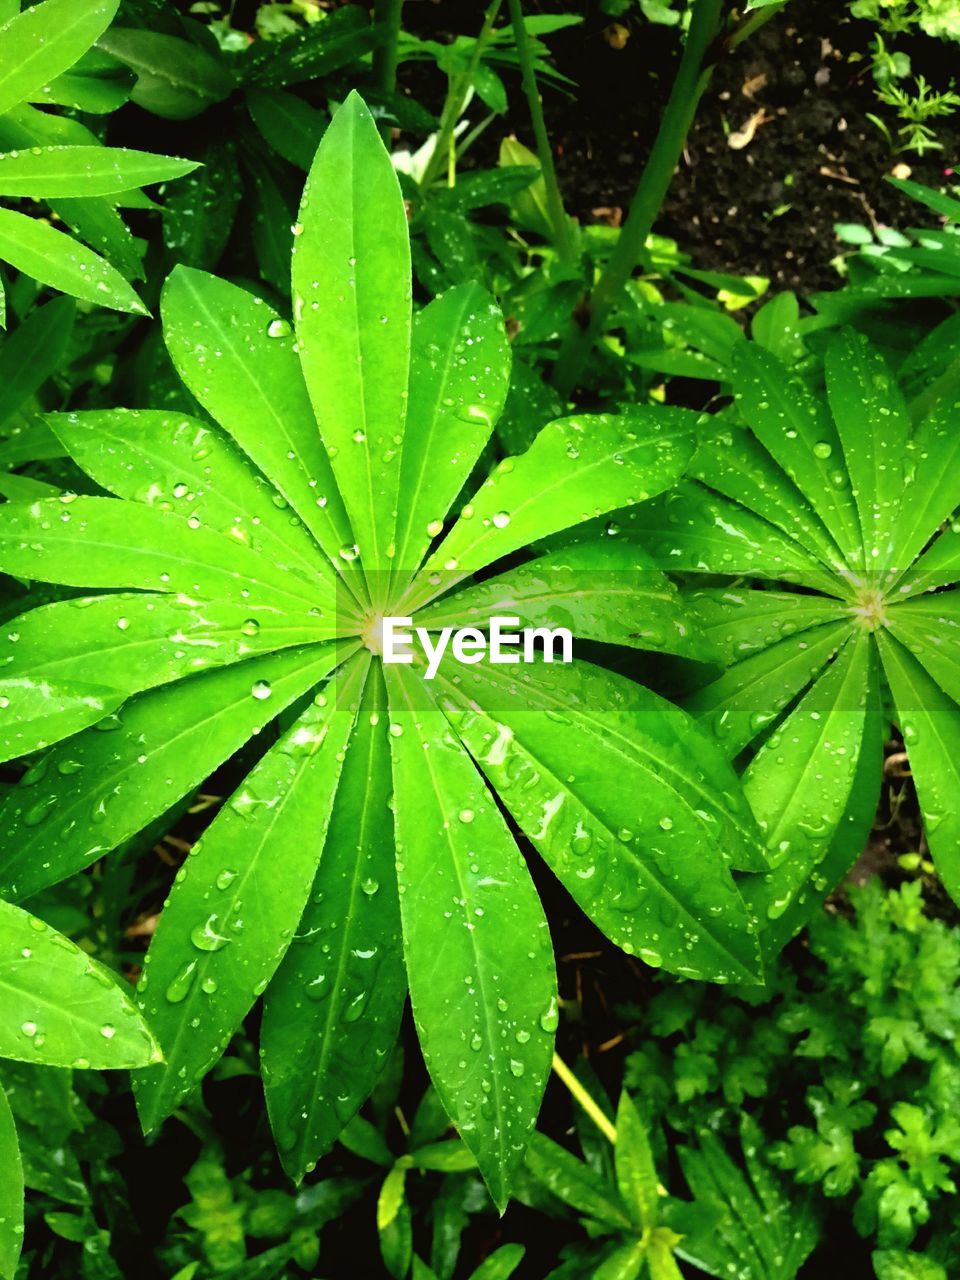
x,y
481,976
96,83
102,787
799,782
904,1264
459,375
733,462
175,79
45,40
874,427
762,1231
500,1264
742,702
931,490
796,429
291,126
229,918
177,463
351,284
852,832
626,1262
332,1012
56,259
343,36
691,530
606,591
199,213
930,724
32,353
739,621
98,224
575,1183
46,172
60,1007
11,1193
103,542
636,1172
69,663
237,357
569,757
576,468
928,627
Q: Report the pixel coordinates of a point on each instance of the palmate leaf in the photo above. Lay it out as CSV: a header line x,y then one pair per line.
x,y
243,568
800,685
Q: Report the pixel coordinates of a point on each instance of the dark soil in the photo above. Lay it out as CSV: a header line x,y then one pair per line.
x,y
766,209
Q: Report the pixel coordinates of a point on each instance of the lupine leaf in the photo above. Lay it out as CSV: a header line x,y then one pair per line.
x,y
237,357
482,981
570,759
799,782
874,427
459,373
103,542
61,1008
351,284
799,434
177,463
691,530
930,629
742,702
739,621
230,917
102,787
69,663
604,591
636,1172
930,724
931,492
733,462
575,469
332,1012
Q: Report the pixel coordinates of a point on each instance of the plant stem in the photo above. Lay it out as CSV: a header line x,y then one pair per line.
x,y
559,221
751,24
456,101
387,15
605,1126
688,87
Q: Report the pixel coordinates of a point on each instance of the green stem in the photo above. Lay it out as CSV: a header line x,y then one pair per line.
x,y
559,221
605,1126
693,76
456,101
387,15
752,24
